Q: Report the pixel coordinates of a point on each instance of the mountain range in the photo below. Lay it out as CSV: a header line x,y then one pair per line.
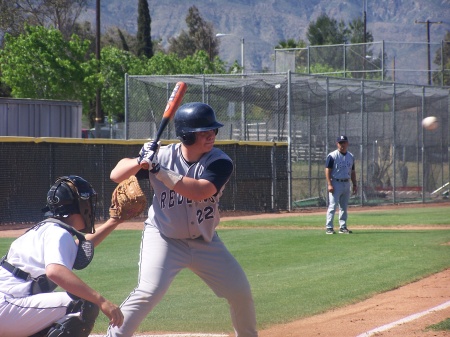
x,y
264,23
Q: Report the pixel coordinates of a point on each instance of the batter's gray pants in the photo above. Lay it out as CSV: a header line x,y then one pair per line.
x,y
339,197
163,258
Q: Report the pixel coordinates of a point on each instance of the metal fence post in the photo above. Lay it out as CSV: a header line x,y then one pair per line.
x,y
442,63
204,90
393,140
274,177
382,60
309,60
309,145
423,147
289,136
243,119
344,60
126,106
327,96
361,148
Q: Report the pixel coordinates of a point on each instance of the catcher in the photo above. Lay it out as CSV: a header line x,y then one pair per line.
x,y
43,258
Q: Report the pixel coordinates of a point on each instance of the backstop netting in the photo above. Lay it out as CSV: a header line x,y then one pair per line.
x,y
396,159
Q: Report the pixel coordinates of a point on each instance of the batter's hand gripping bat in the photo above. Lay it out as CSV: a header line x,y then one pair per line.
x,y
172,105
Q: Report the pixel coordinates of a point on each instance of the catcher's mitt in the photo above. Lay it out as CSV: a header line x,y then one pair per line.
x,y
128,200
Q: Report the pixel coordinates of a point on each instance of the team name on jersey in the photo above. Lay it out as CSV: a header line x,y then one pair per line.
x,y
172,199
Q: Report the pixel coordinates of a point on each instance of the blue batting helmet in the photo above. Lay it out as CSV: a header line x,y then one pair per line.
x,y
194,117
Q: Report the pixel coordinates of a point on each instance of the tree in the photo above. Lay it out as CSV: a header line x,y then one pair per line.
x,y
171,64
115,37
360,55
59,14
200,63
359,61
326,31
355,32
12,19
290,43
144,40
41,64
123,40
200,36
182,46
443,53
115,63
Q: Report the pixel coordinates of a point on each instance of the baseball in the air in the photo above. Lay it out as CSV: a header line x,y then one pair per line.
x,y
430,123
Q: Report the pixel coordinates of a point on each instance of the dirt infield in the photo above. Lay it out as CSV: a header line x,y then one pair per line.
x,y
405,311
383,309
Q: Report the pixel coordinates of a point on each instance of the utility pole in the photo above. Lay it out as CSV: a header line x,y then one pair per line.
x,y
364,36
98,107
428,23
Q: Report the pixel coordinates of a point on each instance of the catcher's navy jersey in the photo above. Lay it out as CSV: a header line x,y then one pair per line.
x,y
341,164
178,217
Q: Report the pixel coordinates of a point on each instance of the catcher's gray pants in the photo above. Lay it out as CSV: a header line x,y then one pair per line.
x,y
339,197
163,258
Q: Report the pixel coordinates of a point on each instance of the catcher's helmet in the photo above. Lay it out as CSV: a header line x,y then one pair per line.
x,y
72,195
194,117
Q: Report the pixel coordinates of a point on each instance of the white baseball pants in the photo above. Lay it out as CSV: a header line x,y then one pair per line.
x,y
163,258
24,316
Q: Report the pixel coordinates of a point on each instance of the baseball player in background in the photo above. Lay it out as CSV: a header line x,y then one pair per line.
x,y
339,172
188,179
43,258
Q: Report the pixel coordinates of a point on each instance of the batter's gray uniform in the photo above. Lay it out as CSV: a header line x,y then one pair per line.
x,y
342,166
180,233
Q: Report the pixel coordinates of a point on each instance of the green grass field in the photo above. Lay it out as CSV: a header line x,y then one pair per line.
x,y
294,273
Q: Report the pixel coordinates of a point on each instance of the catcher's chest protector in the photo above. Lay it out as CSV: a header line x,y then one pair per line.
x,y
85,252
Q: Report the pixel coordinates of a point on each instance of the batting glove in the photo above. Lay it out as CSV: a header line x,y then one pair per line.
x,y
154,165
148,154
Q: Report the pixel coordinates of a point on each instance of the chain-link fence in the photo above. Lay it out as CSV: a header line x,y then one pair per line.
x,y
23,191
402,62
396,159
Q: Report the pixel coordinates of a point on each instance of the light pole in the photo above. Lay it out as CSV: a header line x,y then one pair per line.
x,y
242,48
428,23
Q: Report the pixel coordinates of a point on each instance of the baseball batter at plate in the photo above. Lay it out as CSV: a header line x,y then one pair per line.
x,y
43,258
339,172
188,179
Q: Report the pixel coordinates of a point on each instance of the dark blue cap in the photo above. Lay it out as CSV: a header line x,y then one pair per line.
x,y
342,139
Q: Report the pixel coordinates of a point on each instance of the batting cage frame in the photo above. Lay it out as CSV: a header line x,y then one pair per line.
x,y
397,160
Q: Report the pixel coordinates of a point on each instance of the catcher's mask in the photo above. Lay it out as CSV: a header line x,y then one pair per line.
x,y
194,117
72,195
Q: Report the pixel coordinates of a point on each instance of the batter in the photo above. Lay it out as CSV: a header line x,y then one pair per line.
x,y
188,179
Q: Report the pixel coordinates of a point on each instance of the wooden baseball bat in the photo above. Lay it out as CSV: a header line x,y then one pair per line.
x,y
172,105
